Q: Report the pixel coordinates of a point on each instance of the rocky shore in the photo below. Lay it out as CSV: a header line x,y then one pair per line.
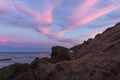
x,y
5,59
95,59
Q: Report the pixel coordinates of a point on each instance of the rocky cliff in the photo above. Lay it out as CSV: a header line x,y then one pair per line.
x,y
95,59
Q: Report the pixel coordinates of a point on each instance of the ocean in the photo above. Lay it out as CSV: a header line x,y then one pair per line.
x,y
8,58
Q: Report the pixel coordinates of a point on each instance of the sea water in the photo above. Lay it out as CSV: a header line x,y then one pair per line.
x,y
20,57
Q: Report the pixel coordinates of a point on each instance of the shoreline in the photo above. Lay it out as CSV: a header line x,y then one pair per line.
x,y
5,59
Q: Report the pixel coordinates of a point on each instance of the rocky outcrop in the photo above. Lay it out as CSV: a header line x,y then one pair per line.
x,y
5,59
95,59
9,73
59,54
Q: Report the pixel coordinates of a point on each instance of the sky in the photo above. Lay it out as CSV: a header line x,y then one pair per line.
x,y
37,25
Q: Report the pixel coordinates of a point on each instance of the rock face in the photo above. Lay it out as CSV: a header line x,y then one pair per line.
x,y
59,54
95,59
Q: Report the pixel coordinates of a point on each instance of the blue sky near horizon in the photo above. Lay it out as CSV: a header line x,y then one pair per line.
x,y
37,25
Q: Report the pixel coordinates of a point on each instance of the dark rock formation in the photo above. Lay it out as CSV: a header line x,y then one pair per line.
x,y
95,59
10,72
59,54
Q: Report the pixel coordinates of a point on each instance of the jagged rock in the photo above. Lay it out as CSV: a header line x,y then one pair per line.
x,y
59,54
10,72
77,47
28,75
37,62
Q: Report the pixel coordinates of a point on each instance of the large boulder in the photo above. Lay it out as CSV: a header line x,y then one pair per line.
x,y
59,54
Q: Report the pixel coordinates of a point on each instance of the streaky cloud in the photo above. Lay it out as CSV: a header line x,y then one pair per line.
x,y
83,9
7,41
41,19
96,14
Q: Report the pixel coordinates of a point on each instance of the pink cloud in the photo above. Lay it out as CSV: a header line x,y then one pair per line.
x,y
48,15
25,10
41,21
48,33
3,10
41,18
3,40
83,9
23,43
96,14
45,31
58,35
7,41
4,5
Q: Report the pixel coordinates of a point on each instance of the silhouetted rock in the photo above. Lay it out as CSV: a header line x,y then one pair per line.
x,y
59,54
95,59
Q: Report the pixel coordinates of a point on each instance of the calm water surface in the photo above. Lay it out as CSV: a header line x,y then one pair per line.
x,y
20,57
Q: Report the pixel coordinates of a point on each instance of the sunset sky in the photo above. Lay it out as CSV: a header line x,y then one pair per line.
x,y
37,25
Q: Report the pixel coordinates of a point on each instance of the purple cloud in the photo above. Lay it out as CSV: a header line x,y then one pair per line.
x,y
41,18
